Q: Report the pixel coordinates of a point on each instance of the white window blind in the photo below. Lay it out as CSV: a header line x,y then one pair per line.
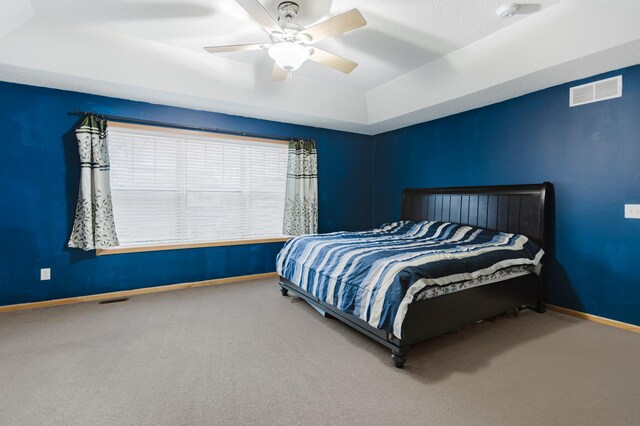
x,y
173,187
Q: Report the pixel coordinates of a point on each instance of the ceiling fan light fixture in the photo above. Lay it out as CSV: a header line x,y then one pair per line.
x,y
288,55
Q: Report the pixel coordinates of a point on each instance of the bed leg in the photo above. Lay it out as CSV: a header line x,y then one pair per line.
x,y
541,304
284,291
400,356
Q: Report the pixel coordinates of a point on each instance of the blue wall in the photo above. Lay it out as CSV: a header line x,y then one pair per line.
x,y
39,170
591,154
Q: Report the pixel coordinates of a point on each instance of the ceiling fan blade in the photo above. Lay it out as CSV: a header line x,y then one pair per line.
x,y
260,15
278,73
235,48
334,61
337,25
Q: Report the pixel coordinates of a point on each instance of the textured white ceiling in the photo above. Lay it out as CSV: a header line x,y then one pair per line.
x,y
418,59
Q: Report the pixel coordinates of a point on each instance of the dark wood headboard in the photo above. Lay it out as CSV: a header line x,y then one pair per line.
x,y
520,209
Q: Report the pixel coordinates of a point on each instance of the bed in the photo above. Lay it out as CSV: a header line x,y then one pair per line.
x,y
454,219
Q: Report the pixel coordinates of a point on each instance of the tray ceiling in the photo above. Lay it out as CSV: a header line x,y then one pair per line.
x,y
418,60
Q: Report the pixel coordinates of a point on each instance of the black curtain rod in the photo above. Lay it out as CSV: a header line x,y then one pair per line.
x,y
181,126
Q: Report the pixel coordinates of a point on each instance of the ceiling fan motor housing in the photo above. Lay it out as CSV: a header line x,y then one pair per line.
x,y
288,10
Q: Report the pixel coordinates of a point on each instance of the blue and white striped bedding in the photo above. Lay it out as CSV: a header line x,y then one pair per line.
x,y
375,275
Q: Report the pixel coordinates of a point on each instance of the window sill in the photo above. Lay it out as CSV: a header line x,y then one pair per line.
x,y
139,249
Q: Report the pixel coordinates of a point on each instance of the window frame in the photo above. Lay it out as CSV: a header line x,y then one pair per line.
x,y
190,245
140,249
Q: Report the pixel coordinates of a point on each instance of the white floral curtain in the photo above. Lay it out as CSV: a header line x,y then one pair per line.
x,y
301,202
93,227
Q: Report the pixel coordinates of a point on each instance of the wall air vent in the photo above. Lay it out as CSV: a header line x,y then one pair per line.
x,y
595,92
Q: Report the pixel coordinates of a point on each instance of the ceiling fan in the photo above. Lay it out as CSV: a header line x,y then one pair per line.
x,y
291,44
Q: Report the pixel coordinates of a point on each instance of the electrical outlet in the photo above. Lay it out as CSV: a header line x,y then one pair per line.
x,y
632,211
45,274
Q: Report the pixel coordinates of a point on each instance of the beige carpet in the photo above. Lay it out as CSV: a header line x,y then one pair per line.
x,y
241,354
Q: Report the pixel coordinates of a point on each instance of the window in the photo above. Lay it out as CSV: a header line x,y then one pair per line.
x,y
174,187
